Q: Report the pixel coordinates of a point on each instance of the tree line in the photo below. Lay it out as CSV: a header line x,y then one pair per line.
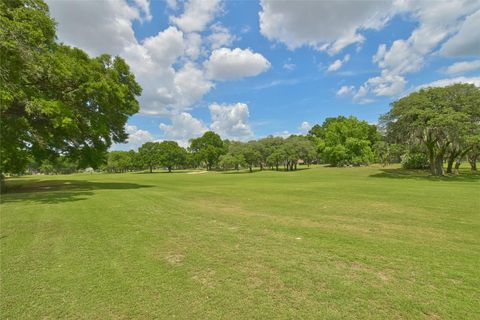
x,y
430,128
61,110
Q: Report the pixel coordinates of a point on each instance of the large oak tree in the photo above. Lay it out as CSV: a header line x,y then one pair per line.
x,y
56,100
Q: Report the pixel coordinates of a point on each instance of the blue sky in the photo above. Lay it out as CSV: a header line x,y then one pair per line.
x,y
247,69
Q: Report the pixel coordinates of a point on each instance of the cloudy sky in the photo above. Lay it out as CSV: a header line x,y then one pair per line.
x,y
247,69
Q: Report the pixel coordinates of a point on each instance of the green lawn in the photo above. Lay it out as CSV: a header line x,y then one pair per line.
x,y
333,243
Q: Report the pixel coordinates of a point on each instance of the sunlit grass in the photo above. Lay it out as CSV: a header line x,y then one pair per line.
x,y
317,243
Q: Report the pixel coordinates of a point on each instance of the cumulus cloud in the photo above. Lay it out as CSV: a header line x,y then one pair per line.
x,y
467,41
337,64
345,90
405,56
305,127
197,15
109,27
227,64
136,137
462,67
182,128
231,121
324,25
447,82
220,36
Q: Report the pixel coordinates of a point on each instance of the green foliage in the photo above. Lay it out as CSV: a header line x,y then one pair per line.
x,y
122,161
149,155
230,161
56,99
436,119
345,141
415,160
208,148
171,155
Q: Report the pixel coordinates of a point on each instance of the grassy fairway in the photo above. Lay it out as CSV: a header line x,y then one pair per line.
x,y
319,243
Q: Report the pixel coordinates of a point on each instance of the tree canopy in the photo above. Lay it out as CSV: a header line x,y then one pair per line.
x,y
56,100
440,120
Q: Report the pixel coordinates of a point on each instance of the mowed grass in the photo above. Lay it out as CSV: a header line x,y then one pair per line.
x,y
331,243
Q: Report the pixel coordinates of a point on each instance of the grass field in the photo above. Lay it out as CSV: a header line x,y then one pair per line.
x,y
349,243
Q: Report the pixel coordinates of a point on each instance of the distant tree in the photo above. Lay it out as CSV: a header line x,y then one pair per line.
x,y
251,154
438,119
149,155
119,161
266,147
347,141
386,153
277,157
171,155
231,161
208,148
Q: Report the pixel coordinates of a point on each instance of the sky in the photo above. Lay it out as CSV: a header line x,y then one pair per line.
x,y
248,69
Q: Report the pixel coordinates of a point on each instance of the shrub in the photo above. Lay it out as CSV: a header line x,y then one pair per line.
x,y
415,160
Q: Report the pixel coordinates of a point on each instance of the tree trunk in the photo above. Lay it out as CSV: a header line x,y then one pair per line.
x,y
151,169
276,166
295,166
250,168
473,163
451,159
261,166
3,184
438,166
457,166
169,169
431,158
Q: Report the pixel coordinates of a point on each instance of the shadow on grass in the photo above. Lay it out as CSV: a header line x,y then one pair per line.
x,y
398,173
56,191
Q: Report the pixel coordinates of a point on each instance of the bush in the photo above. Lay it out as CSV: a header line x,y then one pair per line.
x,y
415,160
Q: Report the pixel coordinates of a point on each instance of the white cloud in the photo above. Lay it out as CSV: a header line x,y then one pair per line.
x,y
305,127
197,15
231,121
324,25
436,22
109,27
462,67
220,36
345,90
227,64
447,82
136,137
337,64
467,41
190,85
144,6
183,127
166,47
289,66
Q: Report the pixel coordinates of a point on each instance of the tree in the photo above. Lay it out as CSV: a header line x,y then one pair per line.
x,y
435,118
171,155
346,141
54,99
231,161
208,148
277,157
149,154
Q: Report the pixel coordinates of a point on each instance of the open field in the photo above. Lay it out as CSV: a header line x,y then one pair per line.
x,y
327,243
